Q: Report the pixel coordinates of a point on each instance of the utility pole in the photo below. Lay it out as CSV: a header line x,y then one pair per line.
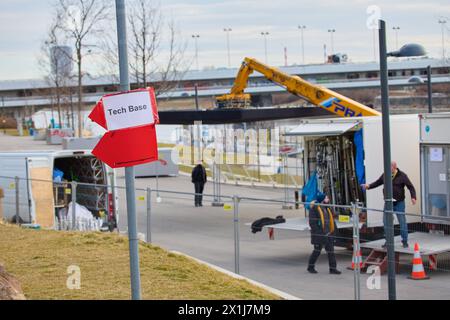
x,y
302,42
129,171
442,22
388,201
374,44
265,34
228,30
396,36
285,57
332,31
429,90
195,37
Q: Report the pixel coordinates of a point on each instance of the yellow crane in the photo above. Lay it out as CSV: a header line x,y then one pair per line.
x,y
315,94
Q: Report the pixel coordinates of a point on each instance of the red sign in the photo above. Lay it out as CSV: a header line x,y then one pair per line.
x,y
130,118
126,109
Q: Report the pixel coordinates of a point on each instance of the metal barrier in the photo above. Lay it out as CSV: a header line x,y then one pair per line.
x,y
221,235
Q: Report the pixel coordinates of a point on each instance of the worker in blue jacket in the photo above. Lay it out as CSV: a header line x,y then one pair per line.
x,y
321,221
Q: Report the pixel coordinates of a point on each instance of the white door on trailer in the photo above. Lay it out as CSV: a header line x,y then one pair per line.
x,y
41,191
404,150
11,167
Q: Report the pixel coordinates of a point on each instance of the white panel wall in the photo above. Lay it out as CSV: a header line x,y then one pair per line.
x,y
404,150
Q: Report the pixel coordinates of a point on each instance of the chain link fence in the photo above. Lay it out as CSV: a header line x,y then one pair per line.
x,y
265,239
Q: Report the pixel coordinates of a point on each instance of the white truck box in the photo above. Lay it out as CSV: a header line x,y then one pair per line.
x,y
36,187
404,150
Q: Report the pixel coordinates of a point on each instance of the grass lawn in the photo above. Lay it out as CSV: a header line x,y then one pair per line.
x,y
40,258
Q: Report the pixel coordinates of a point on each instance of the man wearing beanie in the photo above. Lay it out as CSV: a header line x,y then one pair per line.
x,y
322,225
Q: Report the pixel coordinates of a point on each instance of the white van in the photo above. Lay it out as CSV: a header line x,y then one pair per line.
x,y
42,196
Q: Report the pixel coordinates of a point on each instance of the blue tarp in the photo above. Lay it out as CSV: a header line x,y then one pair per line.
x,y
359,157
58,175
310,190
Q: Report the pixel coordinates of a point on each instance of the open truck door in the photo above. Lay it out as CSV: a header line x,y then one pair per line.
x,y
15,167
40,184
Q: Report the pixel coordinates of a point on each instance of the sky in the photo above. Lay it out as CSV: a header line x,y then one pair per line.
x,y
24,23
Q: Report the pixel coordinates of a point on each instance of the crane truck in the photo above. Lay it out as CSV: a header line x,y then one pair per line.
x,y
327,140
314,94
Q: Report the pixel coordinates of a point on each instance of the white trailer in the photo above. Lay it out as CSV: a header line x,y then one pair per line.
x,y
435,167
40,197
404,150
421,146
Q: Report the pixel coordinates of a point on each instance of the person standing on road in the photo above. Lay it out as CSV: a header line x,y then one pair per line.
x,y
399,181
322,225
199,179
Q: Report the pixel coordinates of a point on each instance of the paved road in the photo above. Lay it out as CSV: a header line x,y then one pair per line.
x,y
12,143
207,233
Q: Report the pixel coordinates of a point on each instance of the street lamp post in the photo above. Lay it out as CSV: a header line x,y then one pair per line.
x,y
195,37
228,30
332,31
265,34
405,51
396,36
419,80
302,42
429,90
442,23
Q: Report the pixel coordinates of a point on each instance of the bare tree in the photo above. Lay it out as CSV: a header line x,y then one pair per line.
x,y
156,50
145,21
81,21
172,72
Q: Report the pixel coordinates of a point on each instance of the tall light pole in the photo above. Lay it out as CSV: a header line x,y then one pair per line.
x,y
195,37
375,45
228,30
429,90
332,31
302,42
409,50
442,22
129,171
396,36
419,80
265,34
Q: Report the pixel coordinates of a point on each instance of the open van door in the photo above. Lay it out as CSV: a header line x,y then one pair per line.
x,y
41,191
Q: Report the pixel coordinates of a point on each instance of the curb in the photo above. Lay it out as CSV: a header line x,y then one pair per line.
x,y
284,295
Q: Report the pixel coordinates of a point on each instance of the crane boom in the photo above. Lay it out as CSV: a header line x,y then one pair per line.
x,y
315,94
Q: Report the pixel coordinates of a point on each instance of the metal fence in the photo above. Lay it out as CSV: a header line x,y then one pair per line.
x,y
277,256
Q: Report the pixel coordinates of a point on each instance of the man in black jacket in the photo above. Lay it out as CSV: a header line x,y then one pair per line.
x,y
322,225
399,181
199,179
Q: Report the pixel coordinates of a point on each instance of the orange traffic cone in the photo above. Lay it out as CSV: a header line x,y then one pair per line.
x,y
356,259
418,272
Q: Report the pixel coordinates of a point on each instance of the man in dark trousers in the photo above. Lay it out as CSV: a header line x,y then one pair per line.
x,y
399,181
199,179
322,225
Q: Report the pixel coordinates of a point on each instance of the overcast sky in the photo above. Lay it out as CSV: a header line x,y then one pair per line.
x,y
23,25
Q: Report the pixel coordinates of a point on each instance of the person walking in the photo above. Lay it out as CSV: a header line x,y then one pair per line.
x,y
199,179
399,181
322,225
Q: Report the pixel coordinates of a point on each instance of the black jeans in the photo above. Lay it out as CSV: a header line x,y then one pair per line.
x,y
199,189
329,248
